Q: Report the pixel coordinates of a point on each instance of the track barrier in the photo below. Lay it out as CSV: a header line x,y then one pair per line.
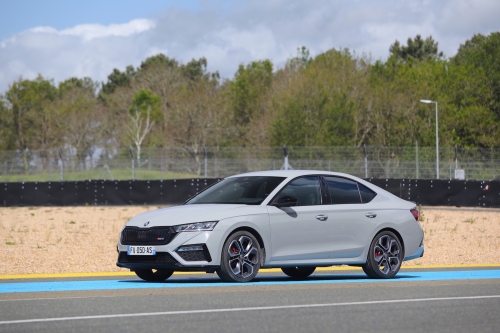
x,y
439,192
428,192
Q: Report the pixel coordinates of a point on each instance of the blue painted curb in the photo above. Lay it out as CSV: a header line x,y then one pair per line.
x,y
26,287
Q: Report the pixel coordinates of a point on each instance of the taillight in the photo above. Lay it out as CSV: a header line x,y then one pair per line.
x,y
415,213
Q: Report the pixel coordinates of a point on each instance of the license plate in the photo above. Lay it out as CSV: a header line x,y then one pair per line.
x,y
141,250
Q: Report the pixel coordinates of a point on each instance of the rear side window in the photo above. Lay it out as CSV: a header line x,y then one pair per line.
x,y
343,191
367,195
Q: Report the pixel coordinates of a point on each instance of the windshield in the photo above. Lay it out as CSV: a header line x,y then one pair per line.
x,y
238,190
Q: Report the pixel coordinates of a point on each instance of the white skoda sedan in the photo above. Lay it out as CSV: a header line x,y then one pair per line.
x,y
294,220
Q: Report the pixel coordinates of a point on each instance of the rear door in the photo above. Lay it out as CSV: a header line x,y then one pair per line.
x,y
352,220
300,232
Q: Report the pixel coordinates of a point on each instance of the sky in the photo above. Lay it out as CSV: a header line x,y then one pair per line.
x,y
59,39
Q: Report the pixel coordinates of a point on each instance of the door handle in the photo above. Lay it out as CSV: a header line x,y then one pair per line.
x,y
371,215
322,217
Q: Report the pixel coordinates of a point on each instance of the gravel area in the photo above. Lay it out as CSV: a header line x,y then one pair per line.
x,y
36,240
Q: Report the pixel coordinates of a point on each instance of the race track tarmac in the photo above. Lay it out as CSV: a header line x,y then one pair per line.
x,y
418,300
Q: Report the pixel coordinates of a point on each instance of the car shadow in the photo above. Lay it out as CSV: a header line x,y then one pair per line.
x,y
277,279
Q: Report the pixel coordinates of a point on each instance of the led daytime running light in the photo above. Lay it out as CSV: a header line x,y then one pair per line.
x,y
200,226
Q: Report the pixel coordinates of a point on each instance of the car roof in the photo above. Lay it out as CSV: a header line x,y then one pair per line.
x,y
294,173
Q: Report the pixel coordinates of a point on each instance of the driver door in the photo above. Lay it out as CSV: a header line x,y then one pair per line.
x,y
300,232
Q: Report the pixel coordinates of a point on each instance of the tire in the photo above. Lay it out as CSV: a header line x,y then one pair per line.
x,y
384,256
154,276
240,258
298,272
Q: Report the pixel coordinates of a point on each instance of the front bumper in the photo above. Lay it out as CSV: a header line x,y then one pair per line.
x,y
174,265
167,256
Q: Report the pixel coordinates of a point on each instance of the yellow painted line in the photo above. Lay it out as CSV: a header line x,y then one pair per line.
x,y
76,275
63,275
452,266
354,268
263,270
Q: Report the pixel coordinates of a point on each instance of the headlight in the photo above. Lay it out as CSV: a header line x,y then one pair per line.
x,y
200,226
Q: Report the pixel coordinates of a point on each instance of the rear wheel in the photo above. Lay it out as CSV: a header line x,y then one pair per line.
x,y
298,272
384,257
240,259
154,275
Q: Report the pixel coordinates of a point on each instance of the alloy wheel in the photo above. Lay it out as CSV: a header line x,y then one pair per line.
x,y
243,256
386,254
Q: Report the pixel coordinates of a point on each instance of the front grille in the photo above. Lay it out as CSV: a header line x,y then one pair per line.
x,y
160,257
192,255
149,236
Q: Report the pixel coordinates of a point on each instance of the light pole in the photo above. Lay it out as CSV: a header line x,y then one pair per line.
x,y
426,101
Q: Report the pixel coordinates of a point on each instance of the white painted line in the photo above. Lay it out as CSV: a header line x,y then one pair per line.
x,y
279,307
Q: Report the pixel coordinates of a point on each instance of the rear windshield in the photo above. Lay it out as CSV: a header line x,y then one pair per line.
x,y
238,190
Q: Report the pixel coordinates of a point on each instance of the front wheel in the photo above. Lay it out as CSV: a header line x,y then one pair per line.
x,y
384,257
154,275
298,272
240,259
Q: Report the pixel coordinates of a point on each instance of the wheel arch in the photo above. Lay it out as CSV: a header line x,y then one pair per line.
x,y
398,235
254,233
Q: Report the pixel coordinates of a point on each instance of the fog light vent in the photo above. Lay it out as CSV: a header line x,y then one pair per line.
x,y
196,252
190,248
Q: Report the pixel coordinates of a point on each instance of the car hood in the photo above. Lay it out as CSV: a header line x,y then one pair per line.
x,y
193,213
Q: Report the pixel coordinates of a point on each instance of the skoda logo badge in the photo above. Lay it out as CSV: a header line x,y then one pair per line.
x,y
146,223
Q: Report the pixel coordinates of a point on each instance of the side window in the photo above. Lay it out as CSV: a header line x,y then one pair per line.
x,y
306,189
343,191
367,195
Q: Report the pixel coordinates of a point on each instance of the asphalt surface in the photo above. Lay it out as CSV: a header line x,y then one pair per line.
x,y
452,300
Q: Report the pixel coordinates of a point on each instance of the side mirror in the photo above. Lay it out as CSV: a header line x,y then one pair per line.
x,y
286,201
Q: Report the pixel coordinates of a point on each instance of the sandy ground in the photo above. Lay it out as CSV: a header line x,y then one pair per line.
x,y
35,240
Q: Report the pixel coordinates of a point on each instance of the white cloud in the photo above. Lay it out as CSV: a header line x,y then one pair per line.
x,y
85,50
92,31
242,32
466,16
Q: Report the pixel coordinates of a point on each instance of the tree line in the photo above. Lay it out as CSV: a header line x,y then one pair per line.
x,y
337,98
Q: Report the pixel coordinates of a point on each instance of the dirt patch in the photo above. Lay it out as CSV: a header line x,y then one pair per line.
x,y
61,239
83,239
460,236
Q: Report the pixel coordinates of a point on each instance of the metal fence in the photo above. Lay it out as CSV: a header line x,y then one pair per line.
x,y
176,163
